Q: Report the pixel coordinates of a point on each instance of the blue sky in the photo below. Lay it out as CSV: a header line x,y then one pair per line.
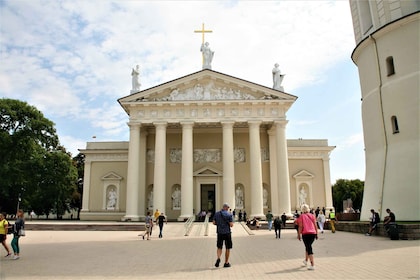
x,y
73,60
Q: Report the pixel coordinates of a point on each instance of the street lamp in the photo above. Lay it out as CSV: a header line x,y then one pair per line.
x,y
19,200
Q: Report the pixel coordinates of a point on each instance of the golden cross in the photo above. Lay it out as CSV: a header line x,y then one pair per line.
x,y
202,31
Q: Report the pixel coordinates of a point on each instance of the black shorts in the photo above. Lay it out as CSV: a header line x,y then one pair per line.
x,y
2,237
226,238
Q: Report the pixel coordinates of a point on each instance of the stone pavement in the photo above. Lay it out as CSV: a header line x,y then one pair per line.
x,y
124,255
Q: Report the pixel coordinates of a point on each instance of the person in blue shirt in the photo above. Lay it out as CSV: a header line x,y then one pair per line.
x,y
224,221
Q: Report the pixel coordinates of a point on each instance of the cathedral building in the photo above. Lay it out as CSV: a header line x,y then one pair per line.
x,y
200,141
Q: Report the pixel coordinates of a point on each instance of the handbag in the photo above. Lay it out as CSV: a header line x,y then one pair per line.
x,y
21,232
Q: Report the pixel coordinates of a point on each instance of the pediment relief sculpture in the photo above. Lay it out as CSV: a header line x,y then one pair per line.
x,y
207,91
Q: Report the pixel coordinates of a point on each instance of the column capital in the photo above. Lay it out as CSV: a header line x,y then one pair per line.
x,y
281,123
134,124
227,123
187,123
160,124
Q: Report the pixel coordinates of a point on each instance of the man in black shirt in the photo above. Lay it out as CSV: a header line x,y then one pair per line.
x,y
160,220
389,220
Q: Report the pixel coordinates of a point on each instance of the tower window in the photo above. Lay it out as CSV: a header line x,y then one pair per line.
x,y
394,122
390,66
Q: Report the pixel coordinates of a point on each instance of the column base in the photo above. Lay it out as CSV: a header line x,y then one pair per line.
x,y
183,218
258,216
131,218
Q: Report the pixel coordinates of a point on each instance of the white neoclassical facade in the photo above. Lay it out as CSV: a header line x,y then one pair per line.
x,y
200,141
387,55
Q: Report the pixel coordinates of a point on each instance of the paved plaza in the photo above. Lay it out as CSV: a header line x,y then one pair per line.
x,y
124,255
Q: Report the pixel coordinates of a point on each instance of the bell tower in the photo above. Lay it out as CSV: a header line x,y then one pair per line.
x,y
387,57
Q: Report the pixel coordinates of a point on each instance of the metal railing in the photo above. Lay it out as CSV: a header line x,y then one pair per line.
x,y
188,225
206,225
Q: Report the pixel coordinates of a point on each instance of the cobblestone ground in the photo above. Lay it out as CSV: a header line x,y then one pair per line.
x,y
125,255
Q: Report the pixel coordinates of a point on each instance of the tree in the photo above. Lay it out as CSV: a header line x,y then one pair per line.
x,y
33,165
55,184
344,189
77,196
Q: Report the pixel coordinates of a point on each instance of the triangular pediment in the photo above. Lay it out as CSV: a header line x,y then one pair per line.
x,y
207,171
303,174
205,85
111,176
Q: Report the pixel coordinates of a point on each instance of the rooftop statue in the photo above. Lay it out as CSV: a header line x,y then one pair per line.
x,y
277,78
207,55
135,80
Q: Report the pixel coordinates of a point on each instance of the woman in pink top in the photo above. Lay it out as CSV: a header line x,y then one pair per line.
x,y
308,231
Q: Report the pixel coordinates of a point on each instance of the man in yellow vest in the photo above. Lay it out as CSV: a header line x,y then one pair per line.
x,y
332,220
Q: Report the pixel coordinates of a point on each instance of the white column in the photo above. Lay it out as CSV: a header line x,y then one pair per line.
x,y
228,166
132,202
142,175
86,185
187,202
327,179
255,171
273,173
159,181
283,167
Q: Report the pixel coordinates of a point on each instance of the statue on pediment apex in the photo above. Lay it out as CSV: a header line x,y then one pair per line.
x,y
207,55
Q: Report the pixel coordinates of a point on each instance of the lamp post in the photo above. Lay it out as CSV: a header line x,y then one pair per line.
x,y
19,200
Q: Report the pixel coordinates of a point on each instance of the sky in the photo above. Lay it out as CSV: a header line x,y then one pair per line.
x,y
72,60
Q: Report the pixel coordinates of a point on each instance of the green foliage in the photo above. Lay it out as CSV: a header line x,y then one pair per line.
x,y
55,181
344,189
33,165
76,199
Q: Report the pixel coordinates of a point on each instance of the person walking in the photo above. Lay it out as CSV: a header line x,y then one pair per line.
x,y
332,220
19,226
224,221
155,215
321,220
277,227
160,220
4,224
283,220
148,223
269,218
296,223
308,232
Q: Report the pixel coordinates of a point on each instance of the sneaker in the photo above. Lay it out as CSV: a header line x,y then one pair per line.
x,y
15,257
311,267
367,234
217,263
226,265
305,263
8,255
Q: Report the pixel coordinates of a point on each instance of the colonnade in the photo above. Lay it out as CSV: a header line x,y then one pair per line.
x,y
279,174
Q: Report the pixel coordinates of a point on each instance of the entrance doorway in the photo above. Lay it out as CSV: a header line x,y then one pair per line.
x,y
208,198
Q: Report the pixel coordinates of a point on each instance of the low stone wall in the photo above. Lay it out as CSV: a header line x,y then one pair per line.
x,y
123,226
406,231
